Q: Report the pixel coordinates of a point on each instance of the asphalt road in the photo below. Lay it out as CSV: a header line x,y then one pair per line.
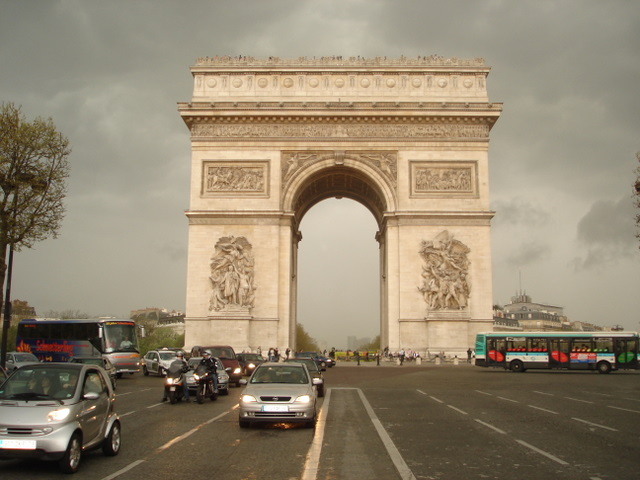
x,y
390,422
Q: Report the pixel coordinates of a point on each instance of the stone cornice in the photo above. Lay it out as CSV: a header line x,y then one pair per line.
x,y
272,63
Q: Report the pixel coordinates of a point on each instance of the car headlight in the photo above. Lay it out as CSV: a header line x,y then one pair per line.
x,y
251,365
248,399
58,415
196,377
237,370
170,380
303,399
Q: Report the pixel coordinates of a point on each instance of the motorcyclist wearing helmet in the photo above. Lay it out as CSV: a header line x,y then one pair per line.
x,y
178,364
210,364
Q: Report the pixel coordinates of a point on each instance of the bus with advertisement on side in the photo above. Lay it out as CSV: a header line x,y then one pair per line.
x,y
55,340
600,351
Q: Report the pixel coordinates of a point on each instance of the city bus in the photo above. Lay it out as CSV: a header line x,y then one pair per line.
x,y
53,340
601,351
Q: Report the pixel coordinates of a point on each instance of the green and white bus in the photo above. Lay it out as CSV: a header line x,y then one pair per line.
x,y
601,351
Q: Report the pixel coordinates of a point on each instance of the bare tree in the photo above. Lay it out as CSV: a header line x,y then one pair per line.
x,y
33,173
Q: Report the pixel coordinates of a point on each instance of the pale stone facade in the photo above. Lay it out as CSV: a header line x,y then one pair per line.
x,y
407,138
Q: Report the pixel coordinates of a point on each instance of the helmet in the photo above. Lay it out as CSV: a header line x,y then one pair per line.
x,y
180,355
206,353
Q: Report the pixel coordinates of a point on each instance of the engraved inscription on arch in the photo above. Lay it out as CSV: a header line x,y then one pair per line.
x,y
235,178
448,178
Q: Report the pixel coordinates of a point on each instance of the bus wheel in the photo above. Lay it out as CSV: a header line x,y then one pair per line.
x,y
517,366
604,367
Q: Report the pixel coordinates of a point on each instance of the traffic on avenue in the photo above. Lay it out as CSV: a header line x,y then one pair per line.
x,y
387,422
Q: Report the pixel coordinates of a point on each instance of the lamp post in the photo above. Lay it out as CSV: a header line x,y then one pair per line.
x,y
37,185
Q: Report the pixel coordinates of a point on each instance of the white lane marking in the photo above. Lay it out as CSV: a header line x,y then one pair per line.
x,y
578,400
192,431
543,393
403,469
457,410
128,413
544,409
542,452
435,399
508,399
490,426
312,462
124,470
594,424
420,391
624,409
484,393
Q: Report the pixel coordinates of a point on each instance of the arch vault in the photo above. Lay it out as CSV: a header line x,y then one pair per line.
x,y
407,138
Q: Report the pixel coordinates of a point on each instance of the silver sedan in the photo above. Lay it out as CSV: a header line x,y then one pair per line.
x,y
279,393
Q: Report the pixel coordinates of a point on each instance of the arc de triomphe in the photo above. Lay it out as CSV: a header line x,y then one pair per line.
x,y
407,138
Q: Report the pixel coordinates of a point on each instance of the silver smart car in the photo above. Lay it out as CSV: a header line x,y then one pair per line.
x,y
55,411
279,392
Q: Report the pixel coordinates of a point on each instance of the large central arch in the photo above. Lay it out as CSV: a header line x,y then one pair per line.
x,y
408,139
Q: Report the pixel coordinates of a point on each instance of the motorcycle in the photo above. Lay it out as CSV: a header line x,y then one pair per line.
x,y
205,384
173,384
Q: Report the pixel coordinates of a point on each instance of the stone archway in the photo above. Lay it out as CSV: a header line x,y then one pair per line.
x,y
407,138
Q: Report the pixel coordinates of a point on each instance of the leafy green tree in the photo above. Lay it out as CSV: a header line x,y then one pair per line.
x,y
33,172
372,346
304,341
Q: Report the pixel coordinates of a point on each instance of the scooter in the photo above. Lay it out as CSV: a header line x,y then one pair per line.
x,y
173,384
205,384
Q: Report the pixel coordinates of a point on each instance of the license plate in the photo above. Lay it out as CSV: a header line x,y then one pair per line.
x,y
18,444
173,389
275,408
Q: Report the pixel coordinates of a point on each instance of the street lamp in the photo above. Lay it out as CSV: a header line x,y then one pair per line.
x,y
37,185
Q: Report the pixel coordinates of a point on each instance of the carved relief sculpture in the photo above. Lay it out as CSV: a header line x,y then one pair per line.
x,y
232,275
244,178
445,284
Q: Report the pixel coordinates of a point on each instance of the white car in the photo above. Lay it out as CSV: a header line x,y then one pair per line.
x,y
158,361
18,359
279,393
57,411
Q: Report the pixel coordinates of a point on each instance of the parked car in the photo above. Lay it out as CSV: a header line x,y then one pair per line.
x,y
19,359
329,362
158,361
316,356
57,411
103,362
279,393
227,355
314,371
249,361
223,376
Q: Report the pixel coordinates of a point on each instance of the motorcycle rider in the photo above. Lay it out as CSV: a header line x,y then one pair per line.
x,y
210,364
178,364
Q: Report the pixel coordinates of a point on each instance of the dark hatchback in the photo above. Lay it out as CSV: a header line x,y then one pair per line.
x,y
249,361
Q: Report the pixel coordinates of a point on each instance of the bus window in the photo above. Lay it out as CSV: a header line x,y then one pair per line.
x,y
517,344
537,344
581,345
603,345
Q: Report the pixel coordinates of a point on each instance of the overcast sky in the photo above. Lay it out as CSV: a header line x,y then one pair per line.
x,y
562,155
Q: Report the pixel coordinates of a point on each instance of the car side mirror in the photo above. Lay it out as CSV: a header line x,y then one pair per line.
x,y
317,381
228,369
243,381
91,396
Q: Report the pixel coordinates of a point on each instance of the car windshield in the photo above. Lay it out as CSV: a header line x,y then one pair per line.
x,y
167,355
309,362
222,353
254,357
25,357
54,382
280,374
